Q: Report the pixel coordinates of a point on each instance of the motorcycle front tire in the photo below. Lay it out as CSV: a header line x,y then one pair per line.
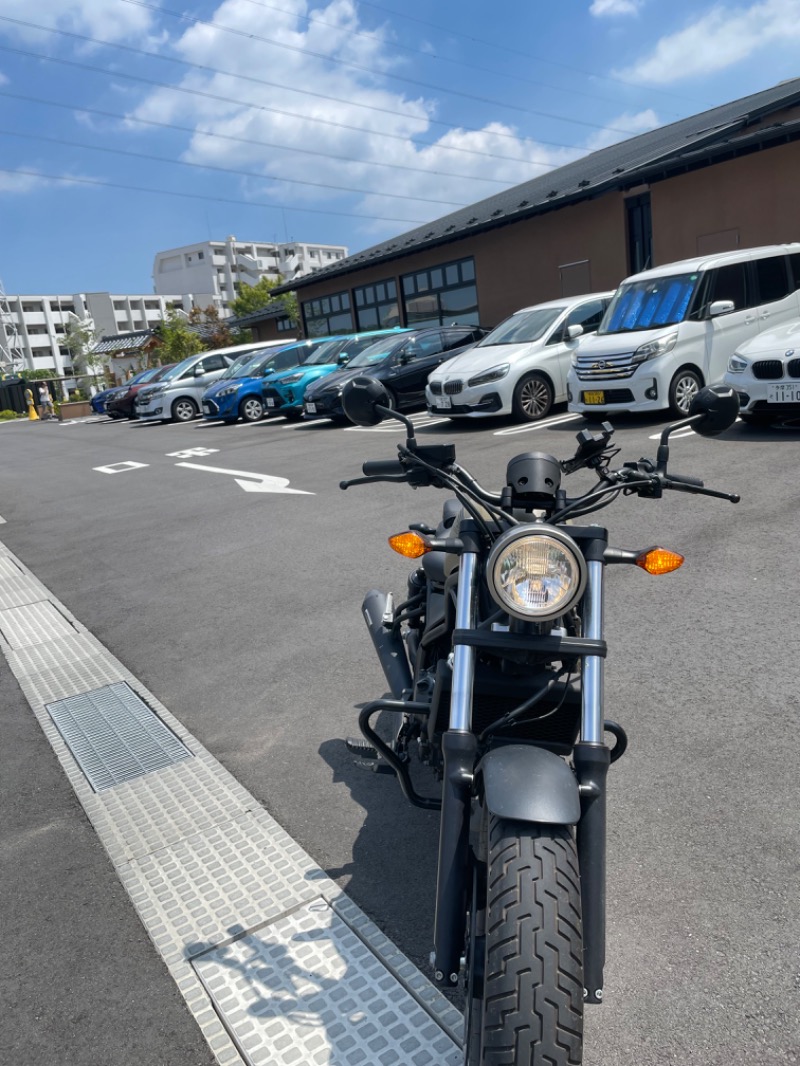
x,y
525,958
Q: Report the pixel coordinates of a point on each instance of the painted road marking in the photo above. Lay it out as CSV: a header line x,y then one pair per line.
x,y
189,453
255,482
557,420
119,468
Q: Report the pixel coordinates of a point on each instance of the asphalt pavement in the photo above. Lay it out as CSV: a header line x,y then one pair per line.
x,y
239,609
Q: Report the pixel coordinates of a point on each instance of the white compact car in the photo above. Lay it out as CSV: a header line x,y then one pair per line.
x,y
765,372
519,368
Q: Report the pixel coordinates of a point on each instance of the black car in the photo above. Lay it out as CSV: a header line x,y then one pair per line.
x,y
122,404
401,362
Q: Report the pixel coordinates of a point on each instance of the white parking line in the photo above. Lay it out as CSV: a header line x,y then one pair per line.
x,y
545,424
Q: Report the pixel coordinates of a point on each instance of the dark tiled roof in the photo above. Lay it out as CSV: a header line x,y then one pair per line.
x,y
613,167
273,310
124,342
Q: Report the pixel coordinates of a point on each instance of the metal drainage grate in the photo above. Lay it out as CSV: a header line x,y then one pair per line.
x,y
114,736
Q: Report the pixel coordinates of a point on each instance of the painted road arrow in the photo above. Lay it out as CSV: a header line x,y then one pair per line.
x,y
255,482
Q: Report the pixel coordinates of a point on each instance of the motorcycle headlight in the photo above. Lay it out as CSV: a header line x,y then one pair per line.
x,y
652,349
536,573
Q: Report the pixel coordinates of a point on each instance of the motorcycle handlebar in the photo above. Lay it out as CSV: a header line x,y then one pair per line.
x,y
383,468
682,479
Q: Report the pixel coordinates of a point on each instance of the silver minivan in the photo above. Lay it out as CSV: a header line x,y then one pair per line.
x,y
670,331
177,396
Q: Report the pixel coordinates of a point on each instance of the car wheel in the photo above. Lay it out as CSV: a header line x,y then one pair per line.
x,y
184,410
251,409
682,390
533,398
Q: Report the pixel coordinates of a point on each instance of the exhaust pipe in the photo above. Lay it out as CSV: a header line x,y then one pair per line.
x,y
389,646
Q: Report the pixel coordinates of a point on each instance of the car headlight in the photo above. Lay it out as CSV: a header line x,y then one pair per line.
x,y
493,374
229,390
154,392
655,348
736,364
536,573
290,380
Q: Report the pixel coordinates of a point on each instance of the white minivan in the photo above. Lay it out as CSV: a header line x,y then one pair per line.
x,y
671,330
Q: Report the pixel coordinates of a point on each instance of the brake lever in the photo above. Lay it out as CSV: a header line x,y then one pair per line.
x,y
678,486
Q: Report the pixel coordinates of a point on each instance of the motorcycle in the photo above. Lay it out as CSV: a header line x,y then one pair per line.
x,y
494,660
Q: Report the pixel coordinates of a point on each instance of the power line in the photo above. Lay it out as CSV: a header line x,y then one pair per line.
x,y
474,67
197,196
223,170
357,66
254,107
274,85
528,55
260,144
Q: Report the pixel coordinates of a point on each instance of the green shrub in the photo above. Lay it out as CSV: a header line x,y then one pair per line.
x,y
6,416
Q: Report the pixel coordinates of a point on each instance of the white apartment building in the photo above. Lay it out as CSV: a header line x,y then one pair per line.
x,y
212,270
32,328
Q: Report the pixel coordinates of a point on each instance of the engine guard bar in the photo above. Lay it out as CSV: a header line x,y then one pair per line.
x,y
400,768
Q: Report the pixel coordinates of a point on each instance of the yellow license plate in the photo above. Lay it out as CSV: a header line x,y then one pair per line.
x,y
594,397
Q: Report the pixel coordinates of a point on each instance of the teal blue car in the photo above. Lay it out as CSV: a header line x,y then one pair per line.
x,y
284,392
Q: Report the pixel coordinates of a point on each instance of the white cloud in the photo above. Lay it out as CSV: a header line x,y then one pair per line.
x,y
484,160
718,39
602,8
23,182
107,20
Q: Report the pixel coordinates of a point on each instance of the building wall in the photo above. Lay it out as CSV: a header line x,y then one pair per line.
x,y
41,321
739,203
743,202
209,271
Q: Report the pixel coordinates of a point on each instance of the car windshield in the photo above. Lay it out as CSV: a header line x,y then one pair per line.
x,y
523,327
161,371
238,367
648,304
145,375
177,369
376,352
356,345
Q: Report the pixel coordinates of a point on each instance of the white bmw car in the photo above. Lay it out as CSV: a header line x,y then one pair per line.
x,y
519,368
765,372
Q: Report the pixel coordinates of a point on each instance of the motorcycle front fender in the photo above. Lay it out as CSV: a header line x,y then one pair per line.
x,y
528,784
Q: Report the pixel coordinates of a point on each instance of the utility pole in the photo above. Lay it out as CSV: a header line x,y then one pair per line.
x,y
12,356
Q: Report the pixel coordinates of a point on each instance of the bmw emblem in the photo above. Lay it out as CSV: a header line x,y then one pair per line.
x,y
789,353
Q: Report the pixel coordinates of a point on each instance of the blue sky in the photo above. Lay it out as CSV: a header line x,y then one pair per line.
x,y
142,125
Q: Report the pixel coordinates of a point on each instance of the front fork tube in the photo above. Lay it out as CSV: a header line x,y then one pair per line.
x,y
592,758
458,748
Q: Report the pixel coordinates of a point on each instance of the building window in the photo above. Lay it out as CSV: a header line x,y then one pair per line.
x,y
640,233
329,314
201,255
376,305
441,296
284,325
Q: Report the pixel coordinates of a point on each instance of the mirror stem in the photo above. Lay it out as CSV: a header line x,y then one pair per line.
x,y
389,412
662,456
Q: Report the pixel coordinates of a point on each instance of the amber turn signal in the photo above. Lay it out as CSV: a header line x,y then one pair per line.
x,y
659,561
412,545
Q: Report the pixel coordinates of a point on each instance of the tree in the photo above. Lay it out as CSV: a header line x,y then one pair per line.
x,y
259,296
177,341
80,337
216,333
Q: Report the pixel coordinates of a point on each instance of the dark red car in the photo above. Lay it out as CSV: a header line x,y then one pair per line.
x,y
123,405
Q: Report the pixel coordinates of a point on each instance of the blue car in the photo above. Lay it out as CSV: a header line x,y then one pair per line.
x,y
284,393
238,392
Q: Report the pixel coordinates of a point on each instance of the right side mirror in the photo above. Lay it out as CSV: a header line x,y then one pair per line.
x,y
361,398
574,331
718,406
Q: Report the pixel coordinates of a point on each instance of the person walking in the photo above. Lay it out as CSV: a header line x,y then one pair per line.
x,y
46,408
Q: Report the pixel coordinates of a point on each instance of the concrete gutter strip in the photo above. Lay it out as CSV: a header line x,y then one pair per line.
x,y
275,962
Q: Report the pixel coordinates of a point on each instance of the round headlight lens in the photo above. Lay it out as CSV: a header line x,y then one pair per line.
x,y
536,576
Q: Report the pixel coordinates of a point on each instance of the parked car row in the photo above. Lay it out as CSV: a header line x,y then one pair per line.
x,y
649,346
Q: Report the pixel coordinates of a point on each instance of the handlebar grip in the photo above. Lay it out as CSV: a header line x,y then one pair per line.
x,y
383,468
683,480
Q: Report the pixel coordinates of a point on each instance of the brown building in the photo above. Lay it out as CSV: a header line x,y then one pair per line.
x,y
720,180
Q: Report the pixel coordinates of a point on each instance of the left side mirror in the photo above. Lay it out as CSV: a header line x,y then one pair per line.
x,y
199,371
718,406
574,331
361,398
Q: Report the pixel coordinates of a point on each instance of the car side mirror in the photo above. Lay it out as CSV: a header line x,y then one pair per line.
x,y
716,408
199,371
361,398
721,307
574,331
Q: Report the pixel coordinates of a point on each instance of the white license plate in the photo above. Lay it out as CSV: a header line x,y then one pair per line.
x,y
443,402
783,393
206,409
270,402
311,408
